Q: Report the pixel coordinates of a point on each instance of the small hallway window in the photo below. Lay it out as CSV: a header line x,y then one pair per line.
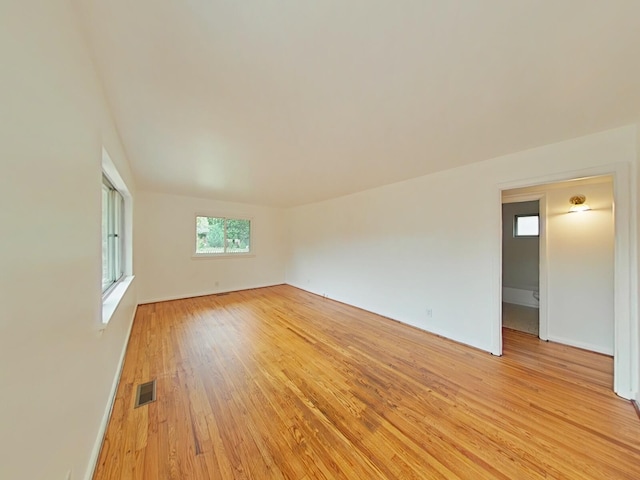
x,y
526,226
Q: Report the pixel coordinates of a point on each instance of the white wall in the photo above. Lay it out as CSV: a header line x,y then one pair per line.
x,y
165,242
56,367
431,242
580,272
400,250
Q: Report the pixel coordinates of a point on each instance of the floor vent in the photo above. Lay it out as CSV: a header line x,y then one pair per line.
x,y
146,393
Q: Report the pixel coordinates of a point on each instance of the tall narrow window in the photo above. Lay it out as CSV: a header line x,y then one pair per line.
x,y
222,236
112,235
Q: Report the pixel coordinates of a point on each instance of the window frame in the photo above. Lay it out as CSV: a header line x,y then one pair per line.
x,y
515,225
225,254
115,237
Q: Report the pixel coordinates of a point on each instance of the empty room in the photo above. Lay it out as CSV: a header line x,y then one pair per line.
x,y
319,239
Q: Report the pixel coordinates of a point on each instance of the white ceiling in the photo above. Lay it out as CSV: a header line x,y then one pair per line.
x,y
291,101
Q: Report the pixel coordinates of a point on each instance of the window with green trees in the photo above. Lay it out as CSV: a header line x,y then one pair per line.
x,y
222,236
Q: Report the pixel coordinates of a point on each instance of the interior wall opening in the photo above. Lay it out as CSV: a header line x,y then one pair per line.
x,y
562,280
520,266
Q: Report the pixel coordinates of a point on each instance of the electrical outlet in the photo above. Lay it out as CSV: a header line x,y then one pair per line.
x,y
217,284
429,313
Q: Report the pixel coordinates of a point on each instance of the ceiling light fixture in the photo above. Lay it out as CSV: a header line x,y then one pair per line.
x,y
578,205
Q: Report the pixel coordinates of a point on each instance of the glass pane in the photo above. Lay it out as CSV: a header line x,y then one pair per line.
x,y
238,236
117,236
106,277
528,226
209,235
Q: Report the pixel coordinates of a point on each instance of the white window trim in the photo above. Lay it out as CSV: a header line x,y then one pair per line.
x,y
194,242
112,297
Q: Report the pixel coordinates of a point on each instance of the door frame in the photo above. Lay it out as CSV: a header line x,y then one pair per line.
x,y
625,297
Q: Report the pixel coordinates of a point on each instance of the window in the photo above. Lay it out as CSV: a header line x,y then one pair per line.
x,y
526,226
112,235
117,247
222,236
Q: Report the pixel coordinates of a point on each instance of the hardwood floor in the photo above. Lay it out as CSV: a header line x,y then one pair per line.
x,y
278,383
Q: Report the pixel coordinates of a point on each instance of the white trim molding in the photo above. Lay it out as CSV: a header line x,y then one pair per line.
x,y
204,293
112,300
581,345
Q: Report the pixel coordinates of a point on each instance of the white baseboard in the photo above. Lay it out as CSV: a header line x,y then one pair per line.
x,y
626,395
93,460
519,296
205,293
582,345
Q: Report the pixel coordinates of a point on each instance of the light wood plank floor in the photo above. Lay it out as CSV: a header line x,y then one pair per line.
x,y
278,383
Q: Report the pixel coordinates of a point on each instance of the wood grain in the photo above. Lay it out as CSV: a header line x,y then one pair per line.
x,y
277,383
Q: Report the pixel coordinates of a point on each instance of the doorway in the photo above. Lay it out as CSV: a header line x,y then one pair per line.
x,y
520,265
576,258
625,366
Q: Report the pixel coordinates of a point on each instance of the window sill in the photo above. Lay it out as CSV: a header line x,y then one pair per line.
x,y
199,256
112,300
